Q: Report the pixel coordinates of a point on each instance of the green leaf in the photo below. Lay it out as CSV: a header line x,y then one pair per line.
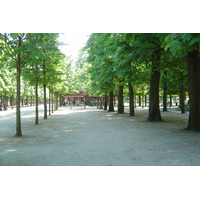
x,y
193,40
167,39
167,46
175,47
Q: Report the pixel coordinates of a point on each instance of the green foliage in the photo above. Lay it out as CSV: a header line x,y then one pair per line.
x,y
115,57
100,53
180,44
39,57
131,56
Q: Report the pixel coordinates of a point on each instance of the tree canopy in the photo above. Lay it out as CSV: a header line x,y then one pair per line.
x,y
153,64
27,56
167,60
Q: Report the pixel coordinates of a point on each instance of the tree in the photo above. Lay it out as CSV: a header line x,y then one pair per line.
x,y
111,105
154,110
44,66
120,97
174,81
18,47
7,83
29,53
146,49
186,45
113,64
100,52
127,67
80,76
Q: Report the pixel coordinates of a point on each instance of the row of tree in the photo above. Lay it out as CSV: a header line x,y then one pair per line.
x,y
30,61
110,64
146,62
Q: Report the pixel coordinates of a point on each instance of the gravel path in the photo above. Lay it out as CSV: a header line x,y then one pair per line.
x,y
93,137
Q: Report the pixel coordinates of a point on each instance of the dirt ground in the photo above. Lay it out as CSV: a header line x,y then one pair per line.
x,y
93,137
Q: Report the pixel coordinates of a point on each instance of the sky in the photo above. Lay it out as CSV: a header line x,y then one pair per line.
x,y
74,41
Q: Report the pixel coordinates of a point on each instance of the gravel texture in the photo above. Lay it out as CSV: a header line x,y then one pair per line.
x,y
93,137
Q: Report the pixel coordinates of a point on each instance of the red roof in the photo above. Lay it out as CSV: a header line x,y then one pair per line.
x,y
76,96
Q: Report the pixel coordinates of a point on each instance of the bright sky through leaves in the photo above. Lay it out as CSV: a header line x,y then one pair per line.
x,y
74,41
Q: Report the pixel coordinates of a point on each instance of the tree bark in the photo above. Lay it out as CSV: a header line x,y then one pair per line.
x,y
45,101
170,100
97,102
135,100
18,112
12,101
164,99
111,105
154,110
182,98
145,100
56,106
139,99
194,90
27,101
142,100
105,102
36,102
165,92
45,91
5,102
101,103
131,100
49,100
92,101
60,100
121,99
52,99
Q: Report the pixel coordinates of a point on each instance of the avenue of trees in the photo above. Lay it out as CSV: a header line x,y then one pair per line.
x,y
110,65
153,63
32,66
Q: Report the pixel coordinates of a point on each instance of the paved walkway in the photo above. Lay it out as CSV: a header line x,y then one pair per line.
x,y
93,137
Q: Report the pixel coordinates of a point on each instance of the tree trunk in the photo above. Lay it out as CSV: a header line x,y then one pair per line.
x,y
194,90
105,102
101,103
5,102
36,102
45,101
56,102
97,102
60,100
142,100
131,100
165,92
49,100
154,110
111,106
139,99
18,112
120,99
182,98
164,99
135,100
45,91
87,100
31,101
145,100
170,100
27,101
52,99
92,101
12,101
